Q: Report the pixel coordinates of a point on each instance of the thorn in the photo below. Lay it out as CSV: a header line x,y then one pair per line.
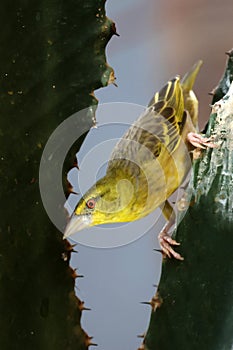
x,y
68,249
158,250
141,335
88,341
70,188
229,53
114,29
75,164
92,344
69,184
75,275
112,79
73,192
212,92
145,302
72,248
155,302
82,307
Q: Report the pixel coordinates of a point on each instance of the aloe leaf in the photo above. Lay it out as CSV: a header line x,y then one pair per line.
x,y
193,307
52,58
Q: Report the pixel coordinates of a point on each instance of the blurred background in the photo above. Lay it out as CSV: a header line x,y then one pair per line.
x,y
158,39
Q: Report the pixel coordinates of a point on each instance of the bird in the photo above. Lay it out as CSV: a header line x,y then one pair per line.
x,y
148,164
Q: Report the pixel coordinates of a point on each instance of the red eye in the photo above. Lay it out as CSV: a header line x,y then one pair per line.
x,y
91,203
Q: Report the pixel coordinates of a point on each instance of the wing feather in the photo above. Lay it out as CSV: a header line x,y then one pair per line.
x,y
159,127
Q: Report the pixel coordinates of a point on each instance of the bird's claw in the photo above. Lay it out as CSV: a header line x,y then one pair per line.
x,y
165,242
199,141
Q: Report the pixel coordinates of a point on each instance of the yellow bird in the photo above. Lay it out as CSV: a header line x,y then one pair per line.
x,y
148,164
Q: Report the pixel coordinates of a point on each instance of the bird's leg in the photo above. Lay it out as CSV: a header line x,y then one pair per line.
x,y
164,238
199,141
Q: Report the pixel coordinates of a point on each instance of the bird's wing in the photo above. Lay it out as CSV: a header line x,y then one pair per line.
x,y
159,126
190,100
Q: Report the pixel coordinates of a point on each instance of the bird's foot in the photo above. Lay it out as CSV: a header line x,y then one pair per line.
x,y
166,242
199,141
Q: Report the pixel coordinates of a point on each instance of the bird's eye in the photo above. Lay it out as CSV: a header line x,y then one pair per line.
x,y
91,203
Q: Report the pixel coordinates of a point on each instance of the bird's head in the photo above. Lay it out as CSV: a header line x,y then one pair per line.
x,y
110,200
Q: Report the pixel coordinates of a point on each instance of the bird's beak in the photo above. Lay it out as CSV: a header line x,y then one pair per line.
x,y
76,223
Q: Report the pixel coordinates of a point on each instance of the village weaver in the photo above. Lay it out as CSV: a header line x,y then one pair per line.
x,y
148,164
